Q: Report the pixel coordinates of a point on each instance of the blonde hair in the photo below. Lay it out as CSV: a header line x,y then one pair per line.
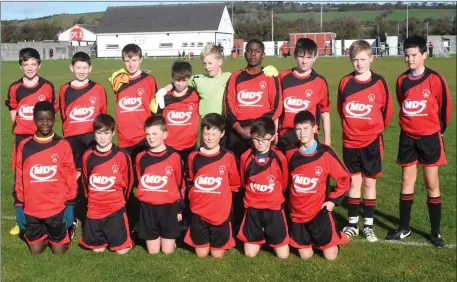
x,y
211,49
359,46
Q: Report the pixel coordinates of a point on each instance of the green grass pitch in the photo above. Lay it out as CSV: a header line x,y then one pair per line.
x,y
358,261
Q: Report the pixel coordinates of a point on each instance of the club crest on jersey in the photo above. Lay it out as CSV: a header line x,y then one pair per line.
x,y
191,106
81,114
358,110
140,92
206,183
294,104
179,118
262,84
101,183
308,92
318,171
41,98
92,100
271,178
168,170
130,104
153,182
222,170
304,184
115,169
26,112
55,158
43,173
426,93
371,98
249,98
414,108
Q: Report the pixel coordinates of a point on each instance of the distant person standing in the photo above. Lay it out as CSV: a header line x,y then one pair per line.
x,y
430,49
387,49
51,53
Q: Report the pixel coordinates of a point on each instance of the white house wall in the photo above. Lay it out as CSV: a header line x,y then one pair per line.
x,y
150,43
226,40
225,25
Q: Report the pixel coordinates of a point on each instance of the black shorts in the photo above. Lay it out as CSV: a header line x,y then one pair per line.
x,y
111,231
426,150
134,150
51,228
202,234
235,143
320,233
17,139
366,160
79,144
158,221
262,225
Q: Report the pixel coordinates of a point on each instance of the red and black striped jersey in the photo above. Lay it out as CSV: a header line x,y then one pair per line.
x,y
251,95
133,102
160,177
365,109
308,184
45,176
425,103
79,106
264,179
307,93
22,99
181,114
213,178
107,179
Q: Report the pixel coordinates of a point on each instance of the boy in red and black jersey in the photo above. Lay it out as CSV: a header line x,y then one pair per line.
x,y
365,108
81,100
250,94
213,171
264,176
161,189
425,111
180,110
133,100
310,202
45,187
107,177
302,89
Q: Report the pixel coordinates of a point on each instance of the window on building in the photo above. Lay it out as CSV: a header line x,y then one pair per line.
x,y
185,44
192,44
112,46
200,44
166,45
207,43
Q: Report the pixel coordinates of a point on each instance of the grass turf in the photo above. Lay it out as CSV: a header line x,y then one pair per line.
x,y
357,261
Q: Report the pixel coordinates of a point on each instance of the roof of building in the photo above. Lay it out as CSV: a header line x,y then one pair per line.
x,y
161,18
90,27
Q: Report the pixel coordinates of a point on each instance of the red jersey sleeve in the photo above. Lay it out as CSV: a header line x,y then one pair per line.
x,y
234,176
325,104
339,102
230,100
338,171
84,174
285,171
104,100
275,99
127,173
18,193
388,107
11,101
179,176
243,160
443,96
70,176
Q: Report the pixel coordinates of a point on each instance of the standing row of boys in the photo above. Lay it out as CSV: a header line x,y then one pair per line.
x,y
158,132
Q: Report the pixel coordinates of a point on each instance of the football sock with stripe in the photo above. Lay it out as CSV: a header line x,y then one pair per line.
x,y
434,211
353,211
368,210
406,203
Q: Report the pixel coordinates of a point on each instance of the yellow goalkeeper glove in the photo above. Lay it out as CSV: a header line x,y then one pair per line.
x,y
270,71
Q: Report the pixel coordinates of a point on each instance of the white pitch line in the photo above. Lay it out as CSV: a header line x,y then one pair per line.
x,y
405,243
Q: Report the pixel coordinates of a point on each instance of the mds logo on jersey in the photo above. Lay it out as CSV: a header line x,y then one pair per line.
x,y
101,183
358,110
414,108
151,182
304,184
131,104
43,173
179,118
81,114
295,105
249,98
26,112
257,187
207,184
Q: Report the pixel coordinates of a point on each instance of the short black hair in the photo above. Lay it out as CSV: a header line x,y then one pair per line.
x,y
80,57
156,120
26,54
43,106
132,50
305,45
104,121
181,70
213,120
262,46
305,117
263,126
415,41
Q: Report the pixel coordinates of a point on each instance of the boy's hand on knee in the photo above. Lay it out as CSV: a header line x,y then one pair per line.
x,y
328,205
20,217
179,217
270,71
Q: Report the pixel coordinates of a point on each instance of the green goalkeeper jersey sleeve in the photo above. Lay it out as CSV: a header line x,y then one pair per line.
x,y
211,90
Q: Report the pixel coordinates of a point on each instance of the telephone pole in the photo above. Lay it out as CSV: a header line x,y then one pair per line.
x,y
407,21
272,26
